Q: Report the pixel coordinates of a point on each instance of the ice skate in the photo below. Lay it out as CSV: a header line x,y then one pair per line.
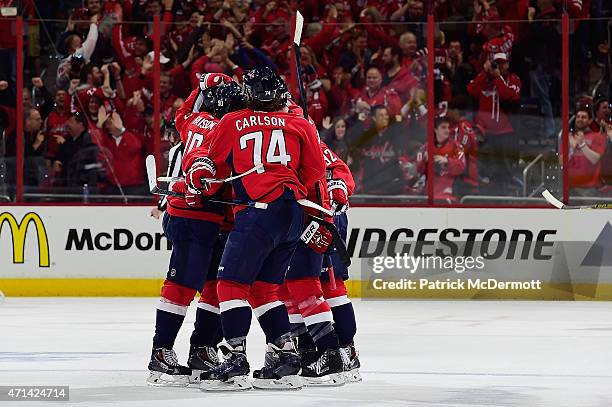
x,y
230,375
201,359
326,370
165,370
350,359
281,369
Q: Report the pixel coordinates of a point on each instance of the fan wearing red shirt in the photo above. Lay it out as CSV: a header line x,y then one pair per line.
x,y
260,247
375,94
126,155
497,90
397,76
586,150
449,161
56,130
462,131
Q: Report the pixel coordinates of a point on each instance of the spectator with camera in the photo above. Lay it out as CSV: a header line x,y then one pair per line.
x,y
497,91
448,161
586,150
78,53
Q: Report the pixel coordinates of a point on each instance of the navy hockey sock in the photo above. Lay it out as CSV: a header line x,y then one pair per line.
x,y
236,323
298,329
171,311
274,321
167,326
270,311
235,311
305,340
344,323
323,335
207,328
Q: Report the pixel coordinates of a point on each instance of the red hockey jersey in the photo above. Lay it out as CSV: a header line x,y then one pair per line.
x,y
194,127
444,174
337,169
490,93
464,134
284,142
583,173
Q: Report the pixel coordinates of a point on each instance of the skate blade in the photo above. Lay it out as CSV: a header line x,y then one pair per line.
x,y
293,382
353,376
159,379
236,383
330,380
194,379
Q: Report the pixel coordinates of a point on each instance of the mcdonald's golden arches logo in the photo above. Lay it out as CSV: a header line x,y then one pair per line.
x,y
19,234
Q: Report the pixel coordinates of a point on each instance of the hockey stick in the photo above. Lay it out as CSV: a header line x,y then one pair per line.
x,y
154,189
560,205
297,37
337,240
313,205
213,180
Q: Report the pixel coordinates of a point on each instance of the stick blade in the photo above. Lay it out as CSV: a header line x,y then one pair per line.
x,y
552,200
299,25
310,204
151,172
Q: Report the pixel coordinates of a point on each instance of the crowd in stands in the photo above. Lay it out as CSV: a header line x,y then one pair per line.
x,y
89,83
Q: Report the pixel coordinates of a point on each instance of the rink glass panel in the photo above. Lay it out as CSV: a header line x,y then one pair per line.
x,y
383,143
513,152
92,175
590,84
8,115
535,120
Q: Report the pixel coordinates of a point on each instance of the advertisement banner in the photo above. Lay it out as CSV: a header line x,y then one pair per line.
x,y
395,252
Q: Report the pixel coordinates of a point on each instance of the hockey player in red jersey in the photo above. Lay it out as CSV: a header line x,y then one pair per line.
x,y
449,161
198,231
313,322
310,315
285,147
340,186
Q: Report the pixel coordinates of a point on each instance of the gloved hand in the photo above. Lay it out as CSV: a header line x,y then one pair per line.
x,y
317,237
192,197
200,169
338,194
209,80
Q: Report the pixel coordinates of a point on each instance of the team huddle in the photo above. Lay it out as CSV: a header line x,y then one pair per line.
x,y
280,263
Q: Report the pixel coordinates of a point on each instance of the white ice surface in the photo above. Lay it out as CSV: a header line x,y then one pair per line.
x,y
413,353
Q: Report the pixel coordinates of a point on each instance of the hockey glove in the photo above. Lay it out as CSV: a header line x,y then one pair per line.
x,y
201,169
210,80
317,237
338,194
192,197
